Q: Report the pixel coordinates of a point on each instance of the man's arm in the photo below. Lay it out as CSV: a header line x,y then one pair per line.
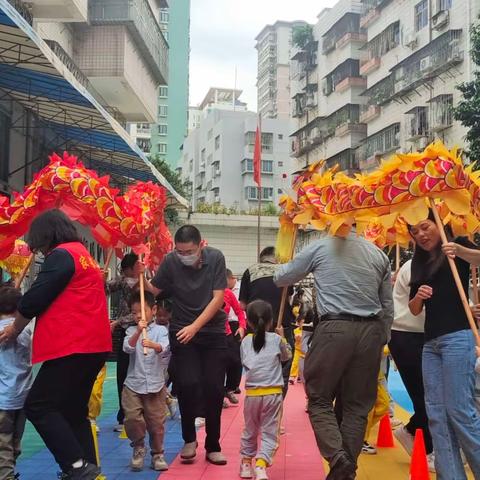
x,y
244,293
386,299
298,268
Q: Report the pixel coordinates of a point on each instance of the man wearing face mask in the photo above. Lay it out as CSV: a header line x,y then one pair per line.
x,y
123,287
195,276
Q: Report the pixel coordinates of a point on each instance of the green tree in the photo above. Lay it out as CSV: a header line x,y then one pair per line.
x,y
175,180
301,35
468,109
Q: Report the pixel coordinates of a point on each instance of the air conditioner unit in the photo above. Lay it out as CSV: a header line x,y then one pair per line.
x,y
440,19
399,73
425,64
410,40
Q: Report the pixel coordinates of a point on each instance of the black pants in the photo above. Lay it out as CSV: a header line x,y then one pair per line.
x,y
57,406
199,384
234,362
287,366
406,349
123,359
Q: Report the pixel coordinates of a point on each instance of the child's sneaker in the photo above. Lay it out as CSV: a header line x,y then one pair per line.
x,y
405,438
246,470
138,459
261,473
369,449
159,463
431,462
172,404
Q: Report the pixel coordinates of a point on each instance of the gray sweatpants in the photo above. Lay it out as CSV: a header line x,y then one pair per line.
x,y
262,417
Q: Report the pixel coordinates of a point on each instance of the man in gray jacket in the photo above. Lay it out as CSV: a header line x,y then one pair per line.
x,y
355,306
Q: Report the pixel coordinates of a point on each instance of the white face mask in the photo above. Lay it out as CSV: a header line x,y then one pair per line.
x,y
188,260
131,282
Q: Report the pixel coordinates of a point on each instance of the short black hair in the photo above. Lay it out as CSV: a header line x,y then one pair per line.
x,y
9,298
229,273
267,252
128,261
50,229
149,299
187,234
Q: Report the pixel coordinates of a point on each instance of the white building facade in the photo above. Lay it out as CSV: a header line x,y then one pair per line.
x,y
274,44
379,76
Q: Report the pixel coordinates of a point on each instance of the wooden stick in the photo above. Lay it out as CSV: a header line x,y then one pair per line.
x,y
397,257
19,279
283,300
475,284
142,306
108,260
455,274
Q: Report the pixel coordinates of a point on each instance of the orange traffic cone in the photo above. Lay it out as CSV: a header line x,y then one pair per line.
x,y
385,436
418,464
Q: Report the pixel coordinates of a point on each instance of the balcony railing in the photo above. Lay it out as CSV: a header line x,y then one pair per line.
x,y
370,66
351,37
351,82
139,19
369,112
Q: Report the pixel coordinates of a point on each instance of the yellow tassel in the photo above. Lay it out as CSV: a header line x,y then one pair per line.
x,y
285,236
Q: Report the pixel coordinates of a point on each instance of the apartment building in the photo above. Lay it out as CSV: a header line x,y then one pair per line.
x,y
218,158
379,76
273,46
327,89
416,53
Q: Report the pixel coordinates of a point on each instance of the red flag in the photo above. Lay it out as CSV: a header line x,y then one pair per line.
x,y
257,158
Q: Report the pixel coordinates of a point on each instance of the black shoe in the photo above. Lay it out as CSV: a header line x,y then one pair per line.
x,y
343,469
86,472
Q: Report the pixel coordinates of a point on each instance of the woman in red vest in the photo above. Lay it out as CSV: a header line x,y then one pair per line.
x,y
72,338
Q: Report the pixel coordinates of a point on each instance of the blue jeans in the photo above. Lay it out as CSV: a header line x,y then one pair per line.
x,y
449,380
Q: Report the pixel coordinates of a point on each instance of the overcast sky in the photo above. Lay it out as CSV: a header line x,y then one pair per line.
x,y
223,37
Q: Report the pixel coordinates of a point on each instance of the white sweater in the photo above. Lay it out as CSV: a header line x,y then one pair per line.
x,y
403,319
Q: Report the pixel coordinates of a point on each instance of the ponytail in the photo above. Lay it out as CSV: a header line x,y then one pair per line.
x,y
260,317
259,336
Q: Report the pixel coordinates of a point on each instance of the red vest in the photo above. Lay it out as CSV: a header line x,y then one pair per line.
x,y
77,320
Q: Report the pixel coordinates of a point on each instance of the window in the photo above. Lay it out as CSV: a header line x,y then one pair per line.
x,y
162,129
280,136
164,16
421,15
210,134
267,166
251,193
267,193
210,159
280,164
247,165
442,109
444,5
163,92
162,148
217,142
267,142
162,110
202,156
144,144
280,191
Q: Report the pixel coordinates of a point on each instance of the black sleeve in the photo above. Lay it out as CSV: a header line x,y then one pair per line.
x,y
465,242
162,279
57,270
220,280
244,293
413,291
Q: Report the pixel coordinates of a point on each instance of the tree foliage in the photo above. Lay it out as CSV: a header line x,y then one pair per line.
x,y
468,109
301,35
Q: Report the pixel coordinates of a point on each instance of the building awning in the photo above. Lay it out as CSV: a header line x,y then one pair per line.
x,y
34,75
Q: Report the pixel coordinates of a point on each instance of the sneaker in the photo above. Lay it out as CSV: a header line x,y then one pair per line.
x,y
159,463
395,422
118,427
199,422
87,471
216,458
246,470
172,405
261,473
431,462
189,451
405,438
368,449
232,398
138,459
